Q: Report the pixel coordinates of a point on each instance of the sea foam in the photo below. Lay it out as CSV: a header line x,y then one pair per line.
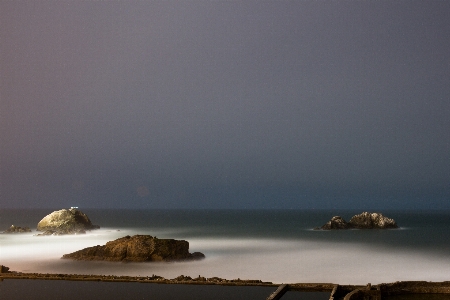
x,y
267,259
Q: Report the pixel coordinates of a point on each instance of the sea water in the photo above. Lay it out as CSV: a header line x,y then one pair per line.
x,y
279,246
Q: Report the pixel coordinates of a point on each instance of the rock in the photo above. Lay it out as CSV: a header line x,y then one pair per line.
x,y
61,232
364,220
17,229
335,223
65,221
183,278
200,278
197,255
4,269
368,220
138,248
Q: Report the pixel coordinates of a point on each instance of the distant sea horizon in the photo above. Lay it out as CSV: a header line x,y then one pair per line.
x,y
277,245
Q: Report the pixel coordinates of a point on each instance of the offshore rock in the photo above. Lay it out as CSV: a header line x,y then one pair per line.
x,y
4,269
364,220
138,248
65,221
17,229
335,223
368,220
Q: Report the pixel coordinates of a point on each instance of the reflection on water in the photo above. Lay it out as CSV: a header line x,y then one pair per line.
x,y
13,289
419,297
294,295
75,290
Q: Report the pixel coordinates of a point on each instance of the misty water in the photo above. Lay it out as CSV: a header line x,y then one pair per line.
x,y
271,245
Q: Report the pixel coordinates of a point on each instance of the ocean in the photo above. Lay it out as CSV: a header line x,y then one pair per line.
x,y
279,246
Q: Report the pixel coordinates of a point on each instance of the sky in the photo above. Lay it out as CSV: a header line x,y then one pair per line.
x,y
225,104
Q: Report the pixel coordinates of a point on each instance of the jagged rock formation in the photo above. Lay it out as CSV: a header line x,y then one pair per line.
x,y
156,279
17,229
65,221
368,220
364,220
4,269
335,223
138,248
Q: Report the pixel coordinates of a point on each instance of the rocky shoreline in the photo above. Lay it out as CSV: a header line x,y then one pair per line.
x,y
337,292
6,274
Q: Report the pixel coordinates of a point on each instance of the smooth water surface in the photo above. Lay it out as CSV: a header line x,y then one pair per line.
x,y
271,245
419,297
12,289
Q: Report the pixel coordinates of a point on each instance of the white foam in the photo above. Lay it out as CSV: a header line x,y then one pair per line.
x,y
276,260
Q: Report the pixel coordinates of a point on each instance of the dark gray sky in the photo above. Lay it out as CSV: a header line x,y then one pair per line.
x,y
225,104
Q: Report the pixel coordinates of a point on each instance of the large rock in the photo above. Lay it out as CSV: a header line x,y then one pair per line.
x,y
368,220
364,220
17,229
335,223
65,221
4,269
138,248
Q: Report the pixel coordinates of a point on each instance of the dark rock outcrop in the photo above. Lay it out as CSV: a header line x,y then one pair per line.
x,y
65,221
4,269
138,248
335,223
368,220
364,220
17,229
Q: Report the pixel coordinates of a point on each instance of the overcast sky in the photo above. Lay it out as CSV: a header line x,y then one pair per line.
x,y
225,104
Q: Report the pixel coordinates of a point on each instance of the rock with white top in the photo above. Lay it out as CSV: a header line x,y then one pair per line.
x,y
66,221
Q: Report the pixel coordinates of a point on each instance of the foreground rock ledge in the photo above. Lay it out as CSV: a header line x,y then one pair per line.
x,y
65,221
379,291
138,248
364,220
